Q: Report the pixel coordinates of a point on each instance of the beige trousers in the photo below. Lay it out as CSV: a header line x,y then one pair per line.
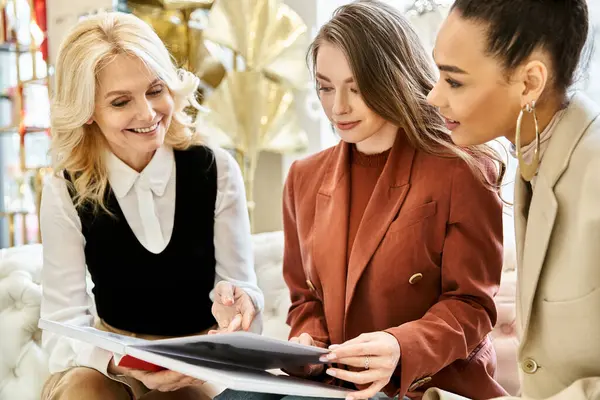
x,y
89,384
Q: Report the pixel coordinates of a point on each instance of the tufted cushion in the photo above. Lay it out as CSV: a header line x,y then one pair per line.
x,y
268,258
504,335
23,364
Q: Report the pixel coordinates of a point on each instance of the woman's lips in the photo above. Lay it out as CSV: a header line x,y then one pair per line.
x,y
451,124
345,126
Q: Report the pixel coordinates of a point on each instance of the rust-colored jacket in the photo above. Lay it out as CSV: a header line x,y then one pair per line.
x,y
425,265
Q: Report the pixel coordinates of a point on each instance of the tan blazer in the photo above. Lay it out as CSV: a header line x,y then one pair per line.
x,y
558,254
425,265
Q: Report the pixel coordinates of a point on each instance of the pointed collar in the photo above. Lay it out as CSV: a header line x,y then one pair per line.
x,y
156,175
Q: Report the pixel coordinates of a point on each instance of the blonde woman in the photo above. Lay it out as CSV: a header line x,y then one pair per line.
x,y
157,218
393,238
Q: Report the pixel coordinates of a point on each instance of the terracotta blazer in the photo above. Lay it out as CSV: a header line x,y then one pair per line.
x,y
425,266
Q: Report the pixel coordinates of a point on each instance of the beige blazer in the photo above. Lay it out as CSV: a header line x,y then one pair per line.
x,y
558,255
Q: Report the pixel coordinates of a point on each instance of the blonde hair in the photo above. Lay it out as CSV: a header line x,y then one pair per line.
x,y
77,148
394,77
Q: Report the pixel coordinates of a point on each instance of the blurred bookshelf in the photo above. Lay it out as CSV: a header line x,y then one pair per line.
x,y
24,119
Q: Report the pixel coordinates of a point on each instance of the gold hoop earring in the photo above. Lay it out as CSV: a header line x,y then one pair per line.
x,y
528,171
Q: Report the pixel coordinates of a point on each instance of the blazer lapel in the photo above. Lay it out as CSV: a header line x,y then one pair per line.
x,y
522,201
331,235
387,198
540,223
521,207
544,206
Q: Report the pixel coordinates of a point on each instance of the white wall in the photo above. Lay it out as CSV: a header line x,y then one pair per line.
x,y
61,15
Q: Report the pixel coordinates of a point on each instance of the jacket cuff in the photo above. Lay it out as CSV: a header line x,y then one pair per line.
x,y
407,376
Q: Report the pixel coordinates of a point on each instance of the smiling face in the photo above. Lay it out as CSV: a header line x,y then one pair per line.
x,y
345,107
133,109
474,94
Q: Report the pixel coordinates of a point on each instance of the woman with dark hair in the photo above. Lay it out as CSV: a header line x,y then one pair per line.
x,y
506,69
393,237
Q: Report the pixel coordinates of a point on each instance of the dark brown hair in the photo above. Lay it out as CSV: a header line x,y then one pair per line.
x,y
516,28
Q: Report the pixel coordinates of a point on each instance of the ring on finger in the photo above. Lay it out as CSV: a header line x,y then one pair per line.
x,y
367,362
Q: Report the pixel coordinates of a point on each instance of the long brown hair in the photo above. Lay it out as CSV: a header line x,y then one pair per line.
x,y
394,76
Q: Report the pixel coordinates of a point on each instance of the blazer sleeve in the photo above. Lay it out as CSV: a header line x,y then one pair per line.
x,y
582,389
306,313
471,268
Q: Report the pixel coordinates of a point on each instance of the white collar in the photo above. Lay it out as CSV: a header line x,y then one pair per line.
x,y
155,175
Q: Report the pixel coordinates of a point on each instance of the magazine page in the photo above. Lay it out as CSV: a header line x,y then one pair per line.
x,y
239,378
221,373
243,349
105,340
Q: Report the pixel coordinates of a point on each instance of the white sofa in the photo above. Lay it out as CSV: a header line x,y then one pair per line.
x,y
23,364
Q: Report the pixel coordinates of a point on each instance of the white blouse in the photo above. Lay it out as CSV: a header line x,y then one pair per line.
x,y
147,200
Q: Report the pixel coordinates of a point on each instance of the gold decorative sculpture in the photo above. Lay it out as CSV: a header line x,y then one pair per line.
x,y
180,25
210,70
170,25
250,113
184,4
253,112
253,109
267,34
251,102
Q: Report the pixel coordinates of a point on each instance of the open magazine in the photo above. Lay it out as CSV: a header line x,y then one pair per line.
x,y
240,360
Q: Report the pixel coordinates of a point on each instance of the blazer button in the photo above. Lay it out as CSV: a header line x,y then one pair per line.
x,y
311,286
529,366
415,278
418,383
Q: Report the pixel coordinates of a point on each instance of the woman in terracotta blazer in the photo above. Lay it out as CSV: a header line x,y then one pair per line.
x,y
393,238
518,60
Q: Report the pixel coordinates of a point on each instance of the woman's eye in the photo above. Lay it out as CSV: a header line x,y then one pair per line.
x,y
156,91
453,84
120,103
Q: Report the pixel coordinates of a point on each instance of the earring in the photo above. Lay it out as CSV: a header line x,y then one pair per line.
x,y
528,171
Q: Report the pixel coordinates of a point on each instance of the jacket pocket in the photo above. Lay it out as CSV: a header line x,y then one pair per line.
x,y
591,294
413,216
569,330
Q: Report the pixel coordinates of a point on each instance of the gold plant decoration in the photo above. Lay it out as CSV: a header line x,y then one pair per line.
x,y
180,24
253,108
250,80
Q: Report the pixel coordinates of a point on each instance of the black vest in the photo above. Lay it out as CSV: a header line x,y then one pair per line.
x,y
166,293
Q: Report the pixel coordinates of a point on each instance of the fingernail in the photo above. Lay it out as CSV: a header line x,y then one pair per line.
x,y
334,346
331,356
330,372
323,359
349,398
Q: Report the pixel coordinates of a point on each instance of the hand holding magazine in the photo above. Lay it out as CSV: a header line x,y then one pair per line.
x,y
240,360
